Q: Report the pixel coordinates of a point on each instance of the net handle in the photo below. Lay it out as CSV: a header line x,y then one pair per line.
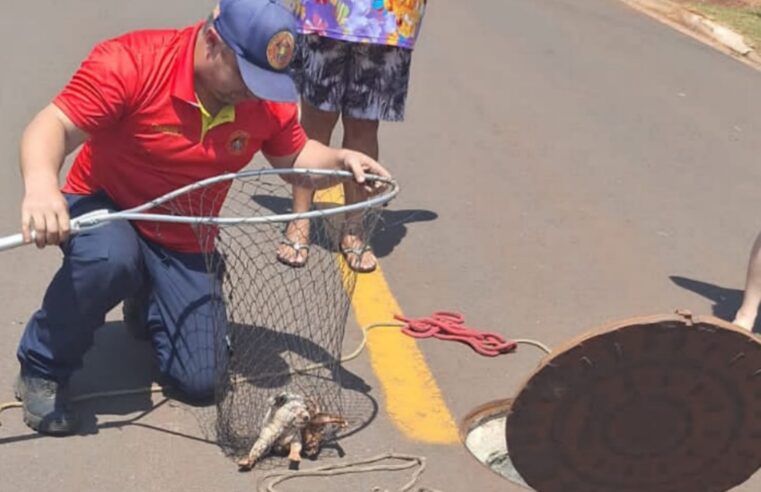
x,y
98,218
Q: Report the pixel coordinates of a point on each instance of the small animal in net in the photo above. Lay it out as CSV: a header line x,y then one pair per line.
x,y
313,434
286,417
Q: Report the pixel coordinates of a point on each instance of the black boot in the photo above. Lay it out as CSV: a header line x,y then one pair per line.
x,y
46,405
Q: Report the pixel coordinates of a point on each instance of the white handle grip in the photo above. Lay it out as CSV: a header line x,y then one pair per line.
x,y
10,242
89,220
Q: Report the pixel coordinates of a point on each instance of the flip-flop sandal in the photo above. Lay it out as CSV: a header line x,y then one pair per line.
x,y
358,252
297,248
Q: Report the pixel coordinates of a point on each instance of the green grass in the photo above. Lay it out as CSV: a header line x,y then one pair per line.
x,y
744,20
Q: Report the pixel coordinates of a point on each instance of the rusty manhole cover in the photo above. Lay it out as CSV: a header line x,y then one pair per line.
x,y
656,404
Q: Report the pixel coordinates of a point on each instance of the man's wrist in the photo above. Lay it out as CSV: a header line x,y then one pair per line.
x,y
342,158
40,181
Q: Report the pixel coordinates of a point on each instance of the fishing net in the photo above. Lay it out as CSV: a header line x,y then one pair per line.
x,y
276,328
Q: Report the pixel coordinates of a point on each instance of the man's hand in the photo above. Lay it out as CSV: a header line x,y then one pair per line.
x,y
360,164
46,141
315,155
44,215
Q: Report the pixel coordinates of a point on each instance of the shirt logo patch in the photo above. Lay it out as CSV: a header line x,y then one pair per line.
x,y
280,50
171,129
238,142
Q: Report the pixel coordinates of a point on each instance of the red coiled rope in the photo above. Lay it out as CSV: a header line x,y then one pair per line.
x,y
451,326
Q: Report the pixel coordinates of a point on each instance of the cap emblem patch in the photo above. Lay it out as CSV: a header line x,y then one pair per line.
x,y
280,50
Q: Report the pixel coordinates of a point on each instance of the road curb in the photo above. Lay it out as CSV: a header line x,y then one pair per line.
x,y
699,27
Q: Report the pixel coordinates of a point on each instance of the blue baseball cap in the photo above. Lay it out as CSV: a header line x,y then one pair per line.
x,y
262,33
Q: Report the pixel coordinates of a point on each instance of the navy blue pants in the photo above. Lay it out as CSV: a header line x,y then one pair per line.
x,y
106,265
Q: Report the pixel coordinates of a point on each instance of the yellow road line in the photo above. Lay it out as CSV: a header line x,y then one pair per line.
x,y
413,399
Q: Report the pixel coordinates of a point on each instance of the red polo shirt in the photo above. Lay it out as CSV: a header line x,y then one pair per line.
x,y
134,96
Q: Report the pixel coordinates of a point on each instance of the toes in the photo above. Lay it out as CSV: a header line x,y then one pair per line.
x,y
285,253
368,260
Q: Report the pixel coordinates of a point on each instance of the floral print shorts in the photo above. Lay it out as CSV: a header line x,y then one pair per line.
x,y
361,80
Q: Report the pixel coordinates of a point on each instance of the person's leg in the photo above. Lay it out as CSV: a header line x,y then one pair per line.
x,y
319,77
317,123
186,319
100,268
746,315
294,248
360,135
376,90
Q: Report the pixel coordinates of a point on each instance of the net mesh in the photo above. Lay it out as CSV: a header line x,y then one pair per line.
x,y
275,327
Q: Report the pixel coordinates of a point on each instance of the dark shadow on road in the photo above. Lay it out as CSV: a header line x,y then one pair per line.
x,y
117,362
263,364
391,228
725,300
264,353
95,428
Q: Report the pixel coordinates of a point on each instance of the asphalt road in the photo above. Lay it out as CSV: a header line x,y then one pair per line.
x,y
563,163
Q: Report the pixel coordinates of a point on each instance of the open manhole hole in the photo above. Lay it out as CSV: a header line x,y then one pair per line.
x,y
667,403
483,432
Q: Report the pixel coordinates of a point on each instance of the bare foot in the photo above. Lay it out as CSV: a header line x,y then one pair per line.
x,y
294,248
295,452
246,464
359,256
745,320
